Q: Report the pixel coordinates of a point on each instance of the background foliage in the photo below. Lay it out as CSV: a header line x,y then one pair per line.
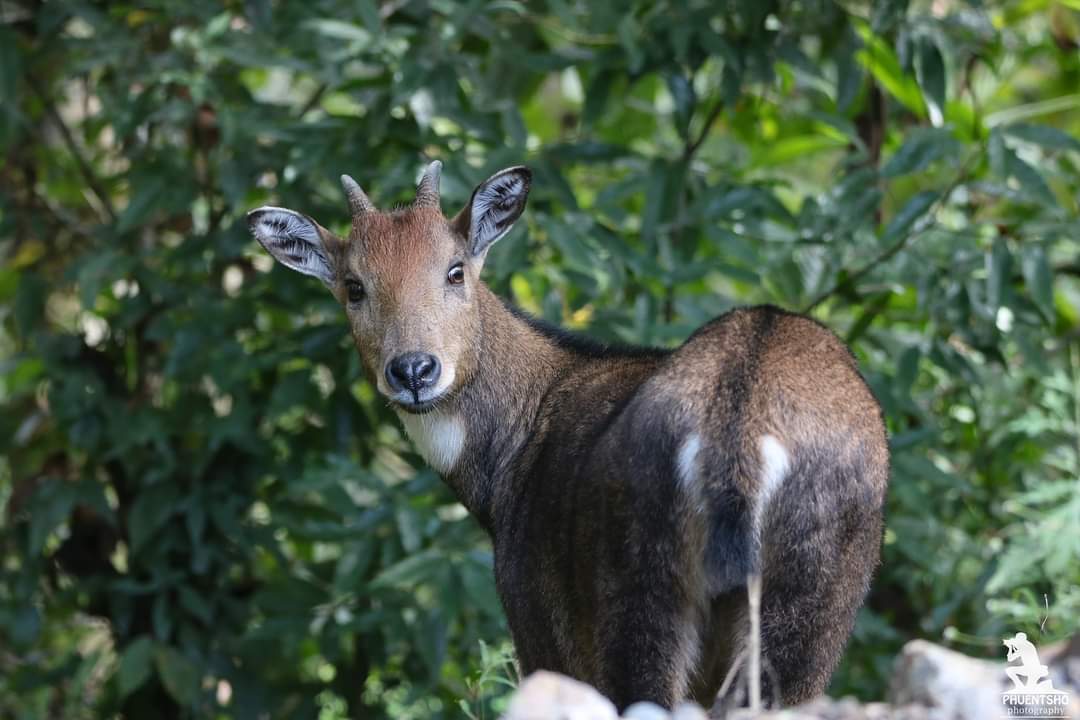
x,y
207,512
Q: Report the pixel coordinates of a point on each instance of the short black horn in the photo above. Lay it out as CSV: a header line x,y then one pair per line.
x,y
427,192
358,201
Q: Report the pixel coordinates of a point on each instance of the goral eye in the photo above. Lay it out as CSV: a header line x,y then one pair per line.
x,y
456,275
354,290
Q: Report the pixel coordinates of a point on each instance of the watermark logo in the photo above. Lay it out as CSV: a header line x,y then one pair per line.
x,y
1033,694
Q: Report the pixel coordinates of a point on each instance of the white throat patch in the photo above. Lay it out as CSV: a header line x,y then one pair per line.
x,y
439,438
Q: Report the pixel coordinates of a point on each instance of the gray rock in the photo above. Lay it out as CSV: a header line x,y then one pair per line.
x,y
689,711
930,682
550,696
826,708
963,688
646,711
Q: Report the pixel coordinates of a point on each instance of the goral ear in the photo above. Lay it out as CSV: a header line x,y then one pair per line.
x,y
495,206
295,240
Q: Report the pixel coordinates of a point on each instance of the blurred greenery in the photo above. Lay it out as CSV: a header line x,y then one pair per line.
x,y
206,510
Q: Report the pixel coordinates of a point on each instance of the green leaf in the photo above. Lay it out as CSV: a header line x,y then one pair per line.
x,y
596,96
195,519
664,183
53,502
1051,106
907,368
24,628
94,272
409,528
789,148
682,93
411,570
996,153
1038,278
161,616
1006,164
908,215
629,33
930,70
1042,135
871,311
339,30
850,77
135,665
151,509
192,601
147,195
178,674
1030,180
369,13
881,62
997,279
921,148
476,576
430,639
10,64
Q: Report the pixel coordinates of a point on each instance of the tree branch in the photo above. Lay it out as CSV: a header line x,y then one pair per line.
x,y
313,101
87,172
889,252
691,148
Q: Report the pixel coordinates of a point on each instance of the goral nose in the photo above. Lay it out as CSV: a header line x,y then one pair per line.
x,y
412,371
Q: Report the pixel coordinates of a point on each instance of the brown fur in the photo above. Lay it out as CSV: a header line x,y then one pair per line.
x,y
618,560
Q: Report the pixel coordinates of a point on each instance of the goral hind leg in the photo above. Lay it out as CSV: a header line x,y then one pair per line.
x,y
817,568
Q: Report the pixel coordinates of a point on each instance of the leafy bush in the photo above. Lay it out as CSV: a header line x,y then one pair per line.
x,y
208,512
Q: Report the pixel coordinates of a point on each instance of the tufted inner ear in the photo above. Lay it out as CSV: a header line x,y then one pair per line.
x,y
495,206
294,239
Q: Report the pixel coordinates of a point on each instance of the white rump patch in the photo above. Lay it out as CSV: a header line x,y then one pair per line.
x,y
686,463
775,462
439,438
292,239
688,469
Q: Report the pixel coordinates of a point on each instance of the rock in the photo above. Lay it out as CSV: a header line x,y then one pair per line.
x,y
646,711
550,696
963,688
826,708
930,682
689,711
1064,661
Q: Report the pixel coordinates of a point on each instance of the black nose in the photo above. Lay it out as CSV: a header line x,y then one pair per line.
x,y
412,371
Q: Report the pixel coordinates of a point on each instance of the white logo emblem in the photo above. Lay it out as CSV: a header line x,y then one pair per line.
x,y
1033,694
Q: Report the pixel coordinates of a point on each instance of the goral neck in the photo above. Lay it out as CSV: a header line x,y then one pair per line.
x,y
473,441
